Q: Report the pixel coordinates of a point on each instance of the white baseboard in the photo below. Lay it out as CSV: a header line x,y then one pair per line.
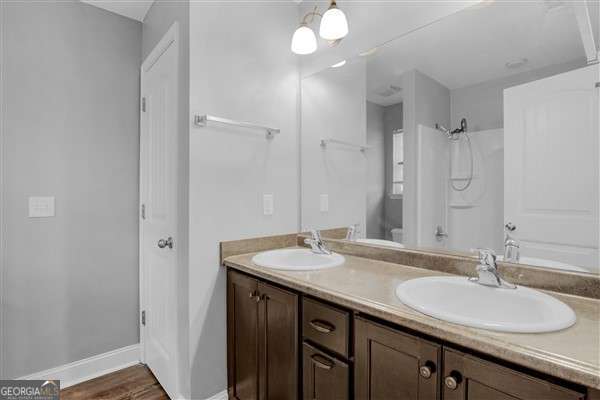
x,y
219,396
89,368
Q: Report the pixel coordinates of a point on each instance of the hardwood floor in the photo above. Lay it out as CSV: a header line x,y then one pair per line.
x,y
133,383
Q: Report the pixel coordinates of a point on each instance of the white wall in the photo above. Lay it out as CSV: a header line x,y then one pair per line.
x,y
376,163
482,104
241,67
70,93
334,106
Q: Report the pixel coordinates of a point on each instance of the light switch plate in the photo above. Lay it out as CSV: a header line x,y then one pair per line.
x,y
324,203
40,207
268,206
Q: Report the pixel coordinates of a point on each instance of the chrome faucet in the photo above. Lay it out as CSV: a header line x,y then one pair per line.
x,y
511,245
488,271
316,243
351,232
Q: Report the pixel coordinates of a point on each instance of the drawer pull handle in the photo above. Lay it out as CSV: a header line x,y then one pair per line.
x,y
322,362
254,295
322,326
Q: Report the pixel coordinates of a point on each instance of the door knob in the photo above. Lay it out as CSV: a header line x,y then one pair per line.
x,y
440,233
168,242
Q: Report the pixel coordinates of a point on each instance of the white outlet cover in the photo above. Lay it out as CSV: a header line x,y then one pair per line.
x,y
40,207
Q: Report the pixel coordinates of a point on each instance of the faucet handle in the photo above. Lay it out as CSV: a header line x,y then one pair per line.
x,y
352,232
487,257
316,235
510,227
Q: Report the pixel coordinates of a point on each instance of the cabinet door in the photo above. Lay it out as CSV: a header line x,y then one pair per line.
x,y
470,378
325,378
278,345
394,365
242,336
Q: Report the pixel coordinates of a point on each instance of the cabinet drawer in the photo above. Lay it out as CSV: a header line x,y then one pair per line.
x,y
326,325
325,377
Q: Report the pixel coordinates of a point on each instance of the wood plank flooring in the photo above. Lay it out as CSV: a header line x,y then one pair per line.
x,y
133,383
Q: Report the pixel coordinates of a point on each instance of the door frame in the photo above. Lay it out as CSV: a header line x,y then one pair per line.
x,y
170,38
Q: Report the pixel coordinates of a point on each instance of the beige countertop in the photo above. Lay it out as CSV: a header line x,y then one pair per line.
x,y
368,286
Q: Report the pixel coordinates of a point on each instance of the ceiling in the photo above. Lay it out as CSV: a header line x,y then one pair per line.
x,y
134,9
474,46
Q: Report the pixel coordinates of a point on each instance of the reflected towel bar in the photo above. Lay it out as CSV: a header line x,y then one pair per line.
x,y
202,120
324,143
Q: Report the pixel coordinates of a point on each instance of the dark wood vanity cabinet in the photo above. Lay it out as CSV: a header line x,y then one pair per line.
x,y
470,378
262,340
286,346
392,365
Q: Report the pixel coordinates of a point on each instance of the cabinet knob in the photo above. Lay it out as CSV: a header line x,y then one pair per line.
x,y
452,381
427,370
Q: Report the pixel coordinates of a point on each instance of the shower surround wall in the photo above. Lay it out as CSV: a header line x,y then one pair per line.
x,y
425,102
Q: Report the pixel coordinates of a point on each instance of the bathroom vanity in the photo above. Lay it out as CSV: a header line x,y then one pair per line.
x,y
341,333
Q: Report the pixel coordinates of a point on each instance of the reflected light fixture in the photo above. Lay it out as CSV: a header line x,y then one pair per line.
x,y
333,28
340,64
304,40
333,23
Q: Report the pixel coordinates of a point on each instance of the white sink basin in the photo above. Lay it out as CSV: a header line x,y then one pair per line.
x,y
381,242
542,262
297,259
458,300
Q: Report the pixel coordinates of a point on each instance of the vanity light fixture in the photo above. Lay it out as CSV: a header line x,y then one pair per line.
x,y
333,28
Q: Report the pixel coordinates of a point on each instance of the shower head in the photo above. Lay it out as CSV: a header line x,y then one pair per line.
x,y
442,128
455,134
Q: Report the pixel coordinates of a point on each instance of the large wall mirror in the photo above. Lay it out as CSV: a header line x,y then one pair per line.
x,y
477,131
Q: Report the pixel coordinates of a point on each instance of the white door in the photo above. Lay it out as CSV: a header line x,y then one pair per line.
x,y
432,184
158,176
551,166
